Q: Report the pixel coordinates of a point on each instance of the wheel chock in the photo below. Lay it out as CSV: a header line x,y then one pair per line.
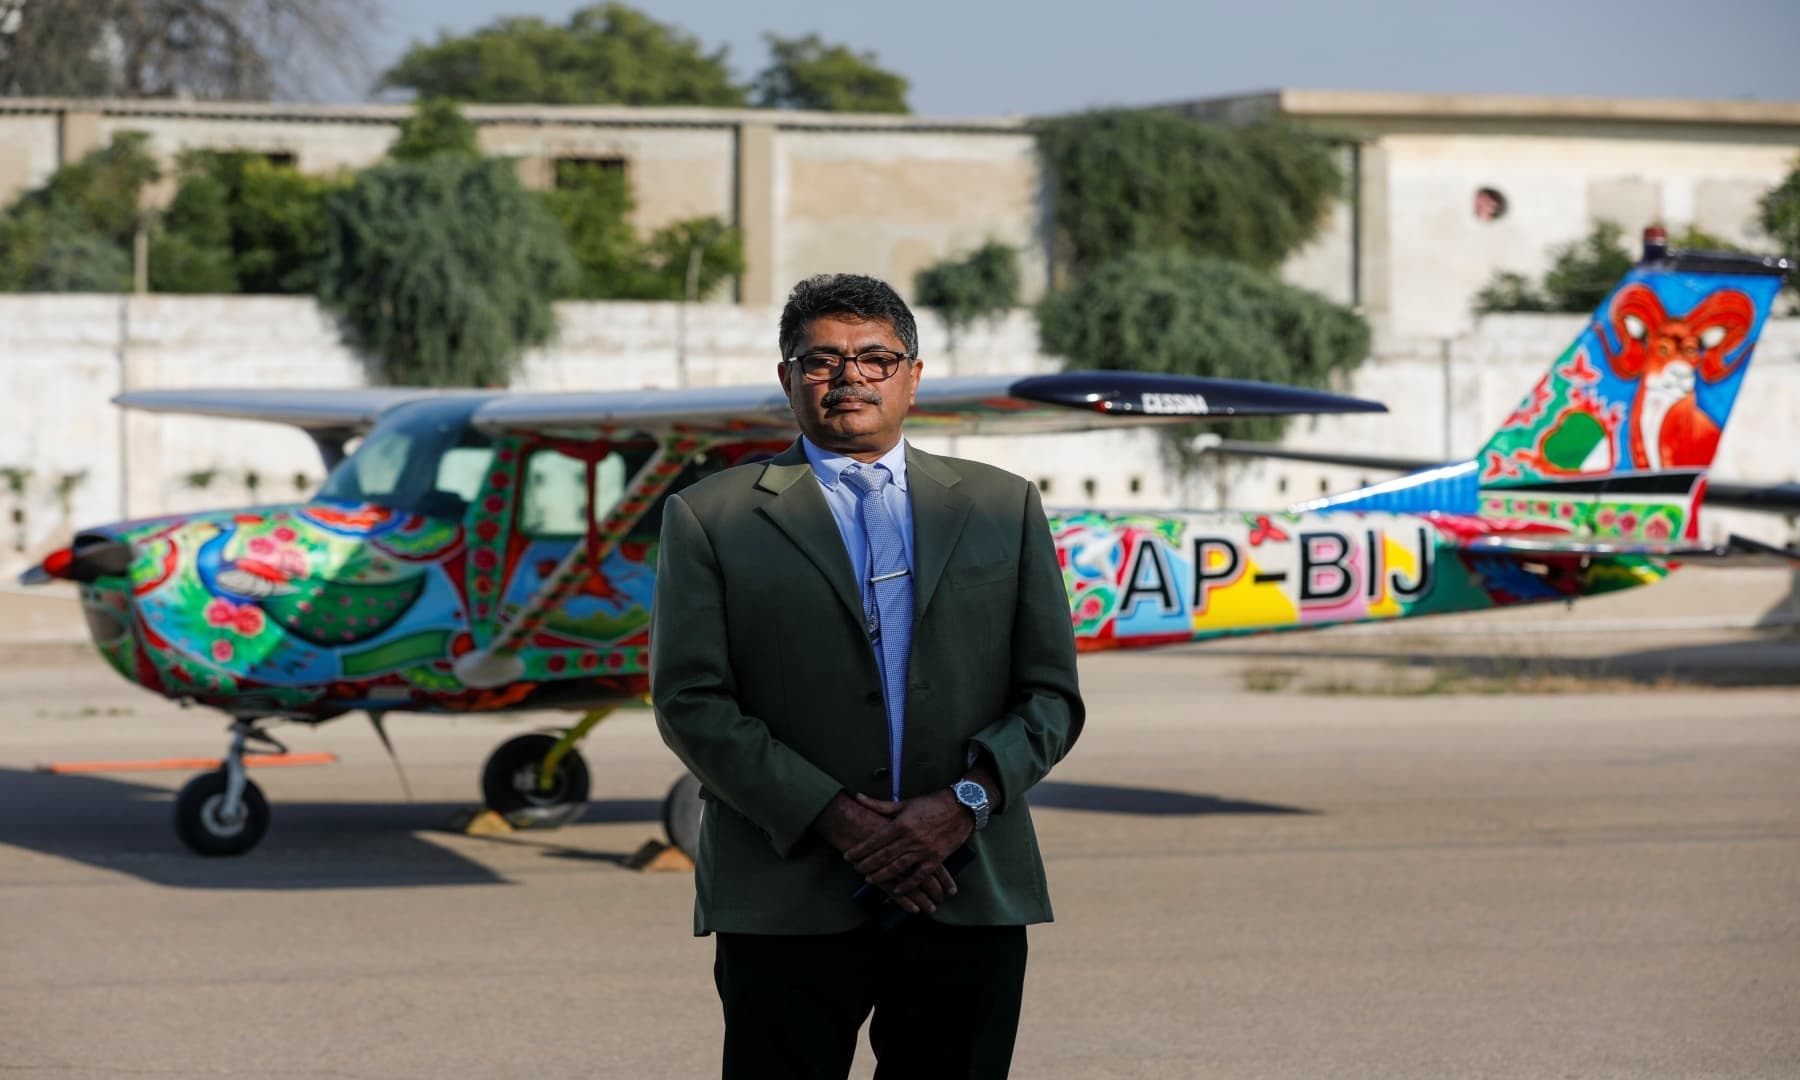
x,y
656,857
482,822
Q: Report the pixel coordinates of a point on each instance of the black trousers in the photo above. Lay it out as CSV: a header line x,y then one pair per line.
x,y
945,999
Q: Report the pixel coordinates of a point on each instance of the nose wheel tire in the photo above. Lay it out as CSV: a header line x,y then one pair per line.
x,y
681,814
509,781
204,823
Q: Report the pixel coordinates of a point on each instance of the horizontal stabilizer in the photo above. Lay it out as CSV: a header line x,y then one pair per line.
x,y
1735,551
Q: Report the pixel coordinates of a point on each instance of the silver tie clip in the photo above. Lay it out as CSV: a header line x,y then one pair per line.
x,y
879,578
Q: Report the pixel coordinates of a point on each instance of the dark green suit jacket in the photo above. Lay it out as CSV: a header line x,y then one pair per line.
x,y
766,687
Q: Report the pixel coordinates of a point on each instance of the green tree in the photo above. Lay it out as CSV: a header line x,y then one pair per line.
x,y
74,234
190,249
1780,218
443,269
594,207
1177,313
704,247
1148,180
607,54
1508,290
806,73
241,223
1581,275
981,284
436,126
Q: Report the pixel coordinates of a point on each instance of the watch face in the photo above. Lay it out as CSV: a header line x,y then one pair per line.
x,y
970,794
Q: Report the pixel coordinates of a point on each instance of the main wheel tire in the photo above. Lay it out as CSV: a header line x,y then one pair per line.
x,y
681,814
509,781
202,825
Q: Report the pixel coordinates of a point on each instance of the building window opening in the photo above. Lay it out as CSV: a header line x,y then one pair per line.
x,y
573,172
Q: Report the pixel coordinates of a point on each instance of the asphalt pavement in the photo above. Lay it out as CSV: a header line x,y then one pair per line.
x,y
1350,870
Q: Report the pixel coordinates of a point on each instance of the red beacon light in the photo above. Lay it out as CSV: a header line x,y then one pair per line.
x,y
1656,242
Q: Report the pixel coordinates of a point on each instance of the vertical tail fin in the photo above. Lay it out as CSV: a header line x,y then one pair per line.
x,y
1616,438
1648,385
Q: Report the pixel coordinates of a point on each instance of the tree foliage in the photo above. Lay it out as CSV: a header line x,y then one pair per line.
x,y
607,54
212,49
594,207
806,73
1148,180
74,234
1185,314
1581,275
436,126
981,284
443,269
190,251
1780,218
241,223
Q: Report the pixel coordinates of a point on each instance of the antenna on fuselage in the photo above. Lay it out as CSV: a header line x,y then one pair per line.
x,y
379,721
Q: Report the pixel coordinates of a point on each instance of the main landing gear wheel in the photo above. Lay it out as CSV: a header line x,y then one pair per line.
x,y
681,815
206,822
509,781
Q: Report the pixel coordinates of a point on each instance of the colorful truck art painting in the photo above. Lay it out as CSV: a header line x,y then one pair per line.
x,y
477,554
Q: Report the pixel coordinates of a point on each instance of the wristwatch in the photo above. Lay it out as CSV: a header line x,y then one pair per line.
x,y
975,797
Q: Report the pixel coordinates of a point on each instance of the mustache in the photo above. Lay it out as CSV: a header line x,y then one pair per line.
x,y
837,395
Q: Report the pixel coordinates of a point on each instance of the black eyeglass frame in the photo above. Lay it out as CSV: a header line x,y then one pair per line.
x,y
877,376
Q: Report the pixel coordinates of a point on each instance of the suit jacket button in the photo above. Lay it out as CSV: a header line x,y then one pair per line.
x,y
873,697
879,774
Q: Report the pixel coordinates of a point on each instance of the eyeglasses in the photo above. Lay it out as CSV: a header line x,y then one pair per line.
x,y
874,365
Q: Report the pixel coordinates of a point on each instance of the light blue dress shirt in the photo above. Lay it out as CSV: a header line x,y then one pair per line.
x,y
846,510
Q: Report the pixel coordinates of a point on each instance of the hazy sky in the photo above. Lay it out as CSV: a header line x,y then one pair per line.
x,y
981,57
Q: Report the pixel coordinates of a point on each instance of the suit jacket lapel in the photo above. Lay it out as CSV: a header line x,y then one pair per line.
x,y
939,511
799,511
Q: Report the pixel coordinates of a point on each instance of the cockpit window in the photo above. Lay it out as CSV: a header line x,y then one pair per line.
x,y
424,458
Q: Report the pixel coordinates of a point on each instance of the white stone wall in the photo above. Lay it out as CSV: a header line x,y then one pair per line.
x,y
1436,254
63,357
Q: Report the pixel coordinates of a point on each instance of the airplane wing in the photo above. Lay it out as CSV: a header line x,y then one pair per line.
x,y
1735,551
965,405
353,410
982,404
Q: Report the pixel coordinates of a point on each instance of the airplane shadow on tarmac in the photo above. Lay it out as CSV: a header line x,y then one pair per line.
x,y
1772,660
1151,802
125,827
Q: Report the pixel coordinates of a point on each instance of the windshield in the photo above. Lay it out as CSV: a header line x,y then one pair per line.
x,y
424,458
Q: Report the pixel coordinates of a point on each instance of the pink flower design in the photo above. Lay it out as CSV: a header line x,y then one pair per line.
x,y
244,619
286,535
222,650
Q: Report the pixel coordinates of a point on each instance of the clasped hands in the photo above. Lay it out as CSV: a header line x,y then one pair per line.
x,y
900,847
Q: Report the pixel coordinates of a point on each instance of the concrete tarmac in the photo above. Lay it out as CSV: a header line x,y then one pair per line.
x,y
1392,880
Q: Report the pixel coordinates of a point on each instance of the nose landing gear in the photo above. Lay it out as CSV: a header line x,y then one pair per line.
x,y
223,812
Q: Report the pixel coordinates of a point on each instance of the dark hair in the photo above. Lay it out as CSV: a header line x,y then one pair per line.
x,y
845,294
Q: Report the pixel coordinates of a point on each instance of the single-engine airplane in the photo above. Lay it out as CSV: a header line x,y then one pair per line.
x,y
490,551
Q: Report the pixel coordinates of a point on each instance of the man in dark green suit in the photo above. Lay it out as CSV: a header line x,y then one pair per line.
x,y
864,653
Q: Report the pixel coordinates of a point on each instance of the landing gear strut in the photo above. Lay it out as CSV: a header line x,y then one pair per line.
x,y
223,812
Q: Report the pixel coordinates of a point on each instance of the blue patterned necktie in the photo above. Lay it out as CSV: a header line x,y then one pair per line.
x,y
887,601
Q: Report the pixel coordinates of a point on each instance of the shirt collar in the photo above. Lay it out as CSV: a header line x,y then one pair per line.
x,y
829,467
